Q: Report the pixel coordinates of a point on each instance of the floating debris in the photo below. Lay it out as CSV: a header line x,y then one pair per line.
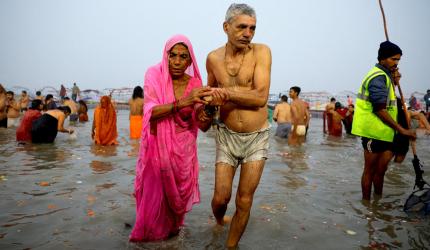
x,y
44,184
350,232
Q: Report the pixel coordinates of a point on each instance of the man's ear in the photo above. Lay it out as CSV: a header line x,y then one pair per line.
x,y
225,27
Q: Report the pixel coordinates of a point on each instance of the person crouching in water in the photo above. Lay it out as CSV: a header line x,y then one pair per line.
x,y
82,111
46,127
73,107
23,132
375,118
104,130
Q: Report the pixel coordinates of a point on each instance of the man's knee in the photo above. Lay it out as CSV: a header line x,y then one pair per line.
x,y
244,202
221,198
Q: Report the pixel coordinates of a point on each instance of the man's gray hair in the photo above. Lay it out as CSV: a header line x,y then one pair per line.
x,y
236,9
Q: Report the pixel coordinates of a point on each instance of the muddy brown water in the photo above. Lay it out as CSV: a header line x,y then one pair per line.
x,y
76,195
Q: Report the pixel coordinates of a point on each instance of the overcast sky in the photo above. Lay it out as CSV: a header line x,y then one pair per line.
x,y
318,45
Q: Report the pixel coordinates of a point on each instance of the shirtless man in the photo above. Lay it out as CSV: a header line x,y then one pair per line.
x,y
24,101
282,115
300,118
136,112
39,96
239,74
73,117
13,108
3,106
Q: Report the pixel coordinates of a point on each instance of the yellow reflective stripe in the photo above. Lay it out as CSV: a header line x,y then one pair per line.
x,y
362,97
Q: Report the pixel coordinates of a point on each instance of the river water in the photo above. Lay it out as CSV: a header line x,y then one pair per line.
x,y
76,195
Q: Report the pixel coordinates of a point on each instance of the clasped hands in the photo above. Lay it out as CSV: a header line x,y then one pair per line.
x,y
210,98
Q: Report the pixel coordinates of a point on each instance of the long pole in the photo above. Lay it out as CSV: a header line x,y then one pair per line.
x,y
408,118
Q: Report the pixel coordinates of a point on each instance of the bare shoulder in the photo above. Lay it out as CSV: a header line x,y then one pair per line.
x,y
261,49
216,54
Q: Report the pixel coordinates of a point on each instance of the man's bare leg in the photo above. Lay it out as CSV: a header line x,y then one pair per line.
x,y
250,174
224,174
370,160
381,168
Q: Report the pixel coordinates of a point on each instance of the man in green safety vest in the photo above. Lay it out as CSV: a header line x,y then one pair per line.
x,y
375,118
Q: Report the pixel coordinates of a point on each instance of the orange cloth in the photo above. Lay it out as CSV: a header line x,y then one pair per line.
x,y
135,126
83,117
105,123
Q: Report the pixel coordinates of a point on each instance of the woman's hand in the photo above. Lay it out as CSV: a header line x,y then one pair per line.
x,y
195,96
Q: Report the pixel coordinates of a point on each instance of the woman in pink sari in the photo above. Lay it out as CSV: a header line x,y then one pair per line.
x,y
166,184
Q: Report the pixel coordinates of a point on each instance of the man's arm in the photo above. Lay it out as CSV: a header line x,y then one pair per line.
x,y
258,95
275,113
211,77
15,105
378,94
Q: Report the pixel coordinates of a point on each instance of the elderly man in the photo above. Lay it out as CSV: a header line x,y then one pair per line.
x,y
239,73
375,118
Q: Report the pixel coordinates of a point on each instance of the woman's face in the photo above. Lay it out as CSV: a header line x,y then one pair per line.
x,y
179,60
104,103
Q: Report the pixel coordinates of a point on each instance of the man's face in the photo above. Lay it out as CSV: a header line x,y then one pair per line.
x,y
240,30
292,93
179,60
391,62
9,96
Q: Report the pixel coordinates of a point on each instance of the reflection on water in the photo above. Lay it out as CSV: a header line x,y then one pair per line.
x,y
74,194
100,167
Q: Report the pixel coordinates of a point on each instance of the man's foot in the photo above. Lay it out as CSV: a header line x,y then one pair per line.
x,y
225,220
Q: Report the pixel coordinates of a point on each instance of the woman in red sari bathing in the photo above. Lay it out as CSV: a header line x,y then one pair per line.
x,y
166,184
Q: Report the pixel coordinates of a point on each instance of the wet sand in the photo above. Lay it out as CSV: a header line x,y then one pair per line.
x,y
75,195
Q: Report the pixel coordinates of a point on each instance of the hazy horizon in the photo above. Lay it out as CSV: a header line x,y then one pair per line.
x,y
319,46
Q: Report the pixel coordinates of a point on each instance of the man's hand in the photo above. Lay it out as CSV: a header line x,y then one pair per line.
x,y
396,76
411,133
220,96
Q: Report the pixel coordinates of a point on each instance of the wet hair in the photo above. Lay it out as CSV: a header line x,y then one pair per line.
x,y
296,89
137,92
332,99
49,97
284,98
38,92
10,93
35,104
236,9
82,102
65,109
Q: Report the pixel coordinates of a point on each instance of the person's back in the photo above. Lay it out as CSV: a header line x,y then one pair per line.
x,y
136,106
23,132
136,112
336,117
283,113
282,116
46,127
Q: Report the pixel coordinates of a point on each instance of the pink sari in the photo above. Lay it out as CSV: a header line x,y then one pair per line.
x,y
166,184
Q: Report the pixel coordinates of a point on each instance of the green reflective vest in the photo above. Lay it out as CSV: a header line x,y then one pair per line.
x,y
366,123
